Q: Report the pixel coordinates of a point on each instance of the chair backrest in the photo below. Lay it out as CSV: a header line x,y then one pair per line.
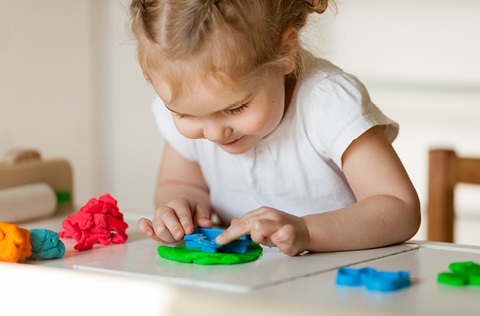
x,y
445,171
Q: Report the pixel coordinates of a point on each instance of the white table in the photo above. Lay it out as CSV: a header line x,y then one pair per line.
x,y
131,279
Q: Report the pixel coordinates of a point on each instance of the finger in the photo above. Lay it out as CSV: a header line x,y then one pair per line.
x,y
167,225
284,239
184,210
233,232
184,215
145,227
201,217
262,230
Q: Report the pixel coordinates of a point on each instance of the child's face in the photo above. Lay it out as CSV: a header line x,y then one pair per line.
x,y
234,117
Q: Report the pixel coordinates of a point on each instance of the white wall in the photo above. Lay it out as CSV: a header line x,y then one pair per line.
x,y
129,144
419,60
70,86
46,82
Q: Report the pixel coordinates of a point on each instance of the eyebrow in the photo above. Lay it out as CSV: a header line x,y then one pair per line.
x,y
238,103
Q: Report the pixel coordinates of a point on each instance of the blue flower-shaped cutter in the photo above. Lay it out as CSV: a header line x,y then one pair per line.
x,y
204,238
373,280
46,244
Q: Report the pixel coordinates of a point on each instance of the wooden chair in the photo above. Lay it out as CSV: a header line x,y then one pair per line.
x,y
446,170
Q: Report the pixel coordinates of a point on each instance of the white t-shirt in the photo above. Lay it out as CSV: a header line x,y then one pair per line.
x,y
297,168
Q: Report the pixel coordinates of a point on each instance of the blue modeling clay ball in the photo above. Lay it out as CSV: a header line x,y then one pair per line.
x,y
46,244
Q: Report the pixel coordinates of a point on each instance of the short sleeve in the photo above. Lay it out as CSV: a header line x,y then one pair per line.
x,y
164,120
340,111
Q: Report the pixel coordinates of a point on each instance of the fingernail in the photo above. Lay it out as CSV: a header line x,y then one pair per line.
x,y
149,233
178,235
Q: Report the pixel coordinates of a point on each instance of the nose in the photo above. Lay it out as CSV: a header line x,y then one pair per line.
x,y
215,132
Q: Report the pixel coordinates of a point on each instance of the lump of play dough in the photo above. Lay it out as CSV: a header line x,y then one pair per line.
x,y
14,243
45,244
99,221
196,255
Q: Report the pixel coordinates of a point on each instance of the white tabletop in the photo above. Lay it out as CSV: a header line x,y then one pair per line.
x,y
131,279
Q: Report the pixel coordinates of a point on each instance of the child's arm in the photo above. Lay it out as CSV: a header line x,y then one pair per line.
x,y
388,208
387,211
182,200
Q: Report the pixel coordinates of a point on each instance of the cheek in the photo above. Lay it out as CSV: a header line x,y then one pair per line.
x,y
268,119
188,129
262,123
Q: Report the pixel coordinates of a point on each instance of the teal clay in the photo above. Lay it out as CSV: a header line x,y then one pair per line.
x,y
46,244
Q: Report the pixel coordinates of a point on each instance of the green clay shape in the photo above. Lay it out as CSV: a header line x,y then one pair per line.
x,y
462,273
183,254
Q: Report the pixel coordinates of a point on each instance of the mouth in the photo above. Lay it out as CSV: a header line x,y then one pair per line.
x,y
232,142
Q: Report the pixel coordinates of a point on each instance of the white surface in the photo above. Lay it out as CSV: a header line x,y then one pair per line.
x,y
270,269
26,202
293,286
424,297
34,290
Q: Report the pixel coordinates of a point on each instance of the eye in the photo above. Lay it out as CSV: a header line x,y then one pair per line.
x,y
236,110
181,116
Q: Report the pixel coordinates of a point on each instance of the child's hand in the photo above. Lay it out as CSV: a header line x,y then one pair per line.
x,y
174,220
270,227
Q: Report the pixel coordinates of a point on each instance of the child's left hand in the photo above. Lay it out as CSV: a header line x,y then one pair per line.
x,y
270,227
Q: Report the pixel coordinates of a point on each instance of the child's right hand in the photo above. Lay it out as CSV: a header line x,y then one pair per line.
x,y
174,220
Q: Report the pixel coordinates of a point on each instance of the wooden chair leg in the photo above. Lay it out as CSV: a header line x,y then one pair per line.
x,y
441,195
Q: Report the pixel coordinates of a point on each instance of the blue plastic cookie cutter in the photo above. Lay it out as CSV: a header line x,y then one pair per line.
x,y
204,238
373,280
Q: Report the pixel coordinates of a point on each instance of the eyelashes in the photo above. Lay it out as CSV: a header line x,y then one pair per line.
x,y
233,111
181,116
237,110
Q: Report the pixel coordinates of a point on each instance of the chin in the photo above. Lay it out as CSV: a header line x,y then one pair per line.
x,y
237,149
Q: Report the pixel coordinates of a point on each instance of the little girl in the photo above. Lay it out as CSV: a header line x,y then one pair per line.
x,y
279,144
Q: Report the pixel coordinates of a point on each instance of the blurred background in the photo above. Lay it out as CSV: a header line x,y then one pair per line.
x,y
70,86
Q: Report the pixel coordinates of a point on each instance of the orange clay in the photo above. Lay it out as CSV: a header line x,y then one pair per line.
x,y
15,243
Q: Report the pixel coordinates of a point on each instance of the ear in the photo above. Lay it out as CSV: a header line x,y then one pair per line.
x,y
289,49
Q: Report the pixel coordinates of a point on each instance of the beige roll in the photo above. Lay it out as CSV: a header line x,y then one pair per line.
x,y
27,202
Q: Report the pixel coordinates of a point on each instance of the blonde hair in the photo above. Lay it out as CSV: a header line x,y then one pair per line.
x,y
228,39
